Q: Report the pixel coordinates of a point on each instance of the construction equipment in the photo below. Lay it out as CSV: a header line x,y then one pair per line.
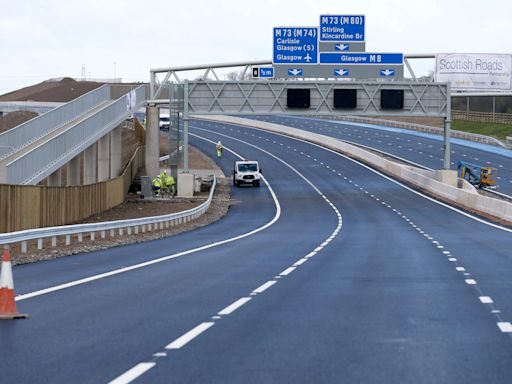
x,y
481,177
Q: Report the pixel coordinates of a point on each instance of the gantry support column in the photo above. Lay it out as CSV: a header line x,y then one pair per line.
x,y
73,172
104,158
90,165
115,152
152,142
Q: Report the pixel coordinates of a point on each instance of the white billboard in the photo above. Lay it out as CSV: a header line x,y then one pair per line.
x,y
474,71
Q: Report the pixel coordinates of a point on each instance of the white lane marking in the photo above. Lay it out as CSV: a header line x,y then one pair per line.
x,y
234,306
317,249
452,259
164,258
446,252
189,336
300,262
486,300
394,181
470,281
160,354
505,326
262,288
311,254
133,373
287,271
460,269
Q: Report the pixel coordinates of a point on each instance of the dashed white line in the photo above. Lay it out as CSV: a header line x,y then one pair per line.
x,y
505,326
233,307
470,282
189,336
133,373
287,271
262,288
486,300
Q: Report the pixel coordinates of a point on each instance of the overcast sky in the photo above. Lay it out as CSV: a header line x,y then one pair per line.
x,y
41,39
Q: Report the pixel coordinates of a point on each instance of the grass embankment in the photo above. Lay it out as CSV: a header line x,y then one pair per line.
x,y
499,131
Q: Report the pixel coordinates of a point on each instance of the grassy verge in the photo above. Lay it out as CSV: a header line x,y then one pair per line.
x,y
499,131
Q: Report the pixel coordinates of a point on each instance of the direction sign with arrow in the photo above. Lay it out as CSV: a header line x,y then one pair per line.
x,y
341,72
387,72
295,72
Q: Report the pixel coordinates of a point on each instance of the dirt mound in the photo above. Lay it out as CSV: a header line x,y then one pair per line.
x,y
64,90
15,118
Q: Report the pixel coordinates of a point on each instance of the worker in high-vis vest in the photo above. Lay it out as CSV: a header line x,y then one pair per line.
x,y
218,146
157,185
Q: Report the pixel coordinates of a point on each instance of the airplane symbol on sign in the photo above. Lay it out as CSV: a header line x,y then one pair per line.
x,y
308,58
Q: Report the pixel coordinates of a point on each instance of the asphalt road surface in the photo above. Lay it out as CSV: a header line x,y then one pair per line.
x,y
418,147
330,273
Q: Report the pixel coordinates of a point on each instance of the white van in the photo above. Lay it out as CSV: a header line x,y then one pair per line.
x,y
165,121
246,172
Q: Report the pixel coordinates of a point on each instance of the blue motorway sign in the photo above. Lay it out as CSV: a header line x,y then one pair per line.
x,y
342,28
266,72
361,58
295,45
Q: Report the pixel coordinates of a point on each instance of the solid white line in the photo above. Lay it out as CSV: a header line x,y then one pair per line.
x,y
287,271
486,300
317,249
505,326
164,258
233,307
262,288
133,373
310,254
189,336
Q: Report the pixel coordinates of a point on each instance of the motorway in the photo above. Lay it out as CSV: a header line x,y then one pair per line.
x,y
330,273
420,148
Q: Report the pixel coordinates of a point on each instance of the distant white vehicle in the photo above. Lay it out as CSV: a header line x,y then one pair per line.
x,y
246,172
164,121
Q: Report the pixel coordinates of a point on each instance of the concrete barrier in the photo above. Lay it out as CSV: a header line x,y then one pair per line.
x,y
425,180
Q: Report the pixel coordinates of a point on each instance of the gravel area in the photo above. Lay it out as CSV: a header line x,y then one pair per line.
x,y
134,207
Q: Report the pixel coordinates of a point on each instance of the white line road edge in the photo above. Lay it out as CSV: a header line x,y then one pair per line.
x,y
164,258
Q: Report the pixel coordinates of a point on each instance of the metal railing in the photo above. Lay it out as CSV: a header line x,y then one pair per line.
x,y
421,128
30,131
131,226
37,164
483,117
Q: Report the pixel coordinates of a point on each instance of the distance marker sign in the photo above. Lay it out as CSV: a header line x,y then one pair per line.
x,y
295,45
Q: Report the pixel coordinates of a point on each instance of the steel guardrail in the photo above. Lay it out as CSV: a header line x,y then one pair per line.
x,y
91,228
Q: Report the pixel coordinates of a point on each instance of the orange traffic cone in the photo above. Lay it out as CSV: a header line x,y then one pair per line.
x,y
7,304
